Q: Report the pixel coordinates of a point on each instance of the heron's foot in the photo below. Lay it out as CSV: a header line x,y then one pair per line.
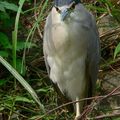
x,y
77,117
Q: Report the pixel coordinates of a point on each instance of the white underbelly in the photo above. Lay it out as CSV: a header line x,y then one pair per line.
x,y
69,76
66,52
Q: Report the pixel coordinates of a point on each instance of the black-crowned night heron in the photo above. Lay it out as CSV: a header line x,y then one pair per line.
x,y
71,49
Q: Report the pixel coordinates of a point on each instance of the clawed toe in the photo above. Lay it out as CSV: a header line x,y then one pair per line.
x,y
77,118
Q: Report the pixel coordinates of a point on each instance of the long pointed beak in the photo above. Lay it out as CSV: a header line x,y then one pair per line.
x,y
64,13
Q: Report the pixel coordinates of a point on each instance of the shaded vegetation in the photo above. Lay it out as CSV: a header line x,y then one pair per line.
x,y
21,34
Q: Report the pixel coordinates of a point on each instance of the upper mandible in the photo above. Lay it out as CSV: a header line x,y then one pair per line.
x,y
65,2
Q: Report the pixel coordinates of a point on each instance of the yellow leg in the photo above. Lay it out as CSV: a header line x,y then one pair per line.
x,y
77,109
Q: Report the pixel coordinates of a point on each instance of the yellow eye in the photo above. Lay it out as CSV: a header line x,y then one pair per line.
x,y
58,10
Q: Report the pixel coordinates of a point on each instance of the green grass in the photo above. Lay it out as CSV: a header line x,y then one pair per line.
x,y
14,100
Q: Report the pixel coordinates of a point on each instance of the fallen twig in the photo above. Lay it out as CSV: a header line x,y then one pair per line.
x,y
96,98
106,116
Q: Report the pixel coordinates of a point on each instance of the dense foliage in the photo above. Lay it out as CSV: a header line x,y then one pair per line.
x,y
21,34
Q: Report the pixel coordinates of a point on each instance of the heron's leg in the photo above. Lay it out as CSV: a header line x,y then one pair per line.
x,y
77,109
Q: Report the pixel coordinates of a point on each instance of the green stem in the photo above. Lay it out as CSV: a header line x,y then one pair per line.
x,y
14,35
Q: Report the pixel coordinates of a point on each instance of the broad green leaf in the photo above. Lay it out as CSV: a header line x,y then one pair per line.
x,y
2,8
21,45
21,2
117,50
4,41
9,6
2,82
4,16
1,108
7,22
8,104
22,81
23,99
4,53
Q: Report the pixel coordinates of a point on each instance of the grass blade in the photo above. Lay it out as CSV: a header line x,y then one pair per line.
x,y
22,81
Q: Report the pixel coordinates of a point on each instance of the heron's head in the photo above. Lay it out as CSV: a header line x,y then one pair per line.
x,y
64,7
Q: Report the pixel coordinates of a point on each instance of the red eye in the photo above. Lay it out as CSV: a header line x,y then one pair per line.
x,y
73,6
57,9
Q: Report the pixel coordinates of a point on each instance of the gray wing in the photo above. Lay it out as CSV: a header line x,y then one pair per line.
x,y
48,45
45,46
93,56
46,63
